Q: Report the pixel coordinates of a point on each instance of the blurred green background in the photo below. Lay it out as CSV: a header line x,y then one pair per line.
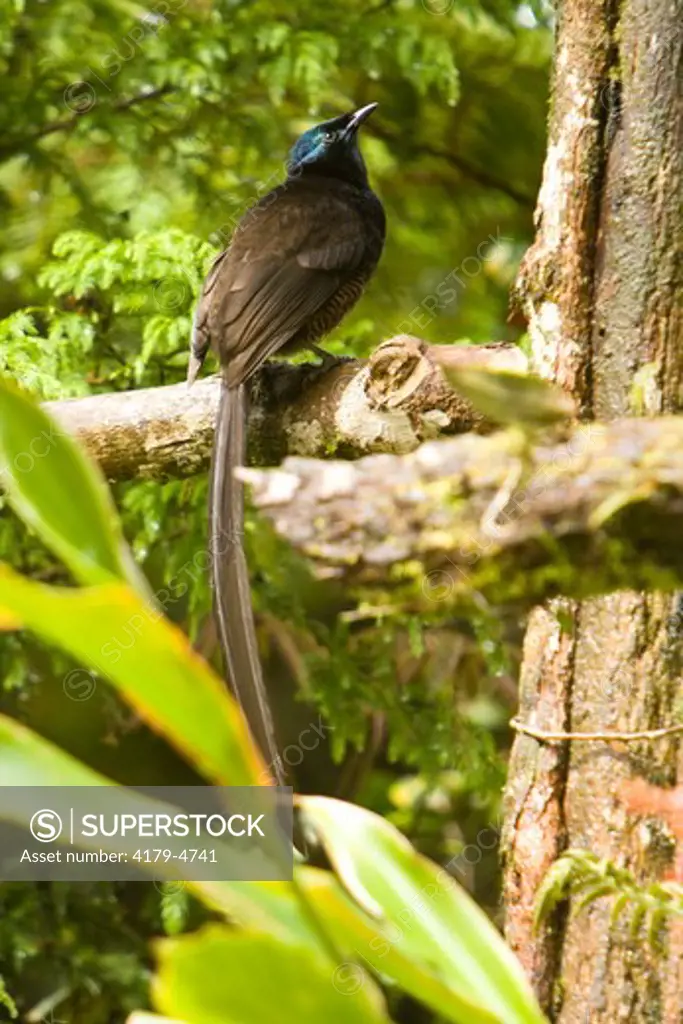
x,y
133,138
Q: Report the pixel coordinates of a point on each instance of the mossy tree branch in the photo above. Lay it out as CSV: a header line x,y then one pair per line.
x,y
598,511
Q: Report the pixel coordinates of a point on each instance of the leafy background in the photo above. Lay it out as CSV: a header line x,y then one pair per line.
x,y
133,138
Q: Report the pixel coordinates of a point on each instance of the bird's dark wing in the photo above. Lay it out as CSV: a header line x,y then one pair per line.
x,y
287,259
201,338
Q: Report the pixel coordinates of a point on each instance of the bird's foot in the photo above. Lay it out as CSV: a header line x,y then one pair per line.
x,y
327,360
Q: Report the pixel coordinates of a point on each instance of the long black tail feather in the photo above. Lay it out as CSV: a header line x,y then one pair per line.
x,y
230,576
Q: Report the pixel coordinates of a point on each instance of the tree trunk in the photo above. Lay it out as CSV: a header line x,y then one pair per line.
x,y
602,288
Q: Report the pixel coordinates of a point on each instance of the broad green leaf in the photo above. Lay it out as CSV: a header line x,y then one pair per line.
x,y
223,976
376,943
513,398
112,630
57,492
26,759
423,910
152,1018
8,621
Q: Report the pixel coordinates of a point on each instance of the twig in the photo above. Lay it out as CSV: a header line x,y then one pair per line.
x,y
546,736
67,123
475,173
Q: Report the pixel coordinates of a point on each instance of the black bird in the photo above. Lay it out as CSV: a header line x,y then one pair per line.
x,y
298,261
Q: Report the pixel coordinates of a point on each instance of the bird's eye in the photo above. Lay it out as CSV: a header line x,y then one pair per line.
x,y
328,136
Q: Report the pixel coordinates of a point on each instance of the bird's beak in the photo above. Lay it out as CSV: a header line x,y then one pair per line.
x,y
358,117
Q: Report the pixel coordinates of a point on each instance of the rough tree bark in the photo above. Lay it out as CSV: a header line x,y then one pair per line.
x,y
602,289
441,528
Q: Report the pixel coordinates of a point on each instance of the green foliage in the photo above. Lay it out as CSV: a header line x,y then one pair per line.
x,y
585,876
83,534
212,978
130,302
118,120
46,354
146,285
7,1001
54,937
174,908
427,918
428,727
453,960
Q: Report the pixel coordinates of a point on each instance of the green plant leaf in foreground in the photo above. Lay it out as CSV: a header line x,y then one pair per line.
x,y
448,957
377,944
27,759
223,976
152,1018
425,913
58,492
170,686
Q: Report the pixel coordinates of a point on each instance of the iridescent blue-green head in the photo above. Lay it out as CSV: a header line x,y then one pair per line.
x,y
331,148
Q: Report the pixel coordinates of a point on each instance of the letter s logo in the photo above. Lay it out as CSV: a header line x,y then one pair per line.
x,y
46,826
